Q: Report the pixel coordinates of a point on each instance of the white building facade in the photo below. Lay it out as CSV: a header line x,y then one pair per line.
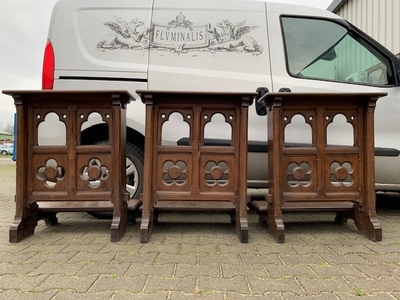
x,y
378,18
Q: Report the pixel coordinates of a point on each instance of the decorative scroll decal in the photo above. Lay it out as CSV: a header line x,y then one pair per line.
x,y
181,36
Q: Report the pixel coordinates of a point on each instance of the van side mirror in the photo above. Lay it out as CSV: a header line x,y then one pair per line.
x,y
260,108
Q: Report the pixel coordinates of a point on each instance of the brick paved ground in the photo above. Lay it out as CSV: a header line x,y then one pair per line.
x,y
198,256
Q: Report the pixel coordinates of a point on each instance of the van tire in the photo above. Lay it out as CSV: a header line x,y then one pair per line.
x,y
135,160
134,176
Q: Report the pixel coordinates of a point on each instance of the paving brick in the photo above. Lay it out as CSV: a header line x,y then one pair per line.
x,y
183,270
374,285
134,257
220,240
276,248
326,271
309,259
113,282
16,268
159,283
314,248
21,283
51,267
18,295
166,270
229,271
384,249
238,248
250,260
80,284
352,249
380,259
346,259
165,248
118,269
68,295
330,285
274,285
238,296
322,296
55,257
92,257
359,294
276,271
18,257
127,295
376,271
119,248
166,258
236,284
212,259
198,296
87,248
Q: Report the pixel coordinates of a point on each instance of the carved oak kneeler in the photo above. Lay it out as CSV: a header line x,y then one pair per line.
x,y
318,176
54,176
195,175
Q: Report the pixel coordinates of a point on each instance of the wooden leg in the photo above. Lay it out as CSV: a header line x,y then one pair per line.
x,y
146,226
262,219
50,218
24,225
242,228
275,224
156,214
343,216
367,225
232,218
119,222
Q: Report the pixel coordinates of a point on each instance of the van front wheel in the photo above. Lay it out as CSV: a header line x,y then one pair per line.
x,y
134,176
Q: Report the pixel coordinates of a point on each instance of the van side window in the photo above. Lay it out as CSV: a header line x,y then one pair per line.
x,y
322,49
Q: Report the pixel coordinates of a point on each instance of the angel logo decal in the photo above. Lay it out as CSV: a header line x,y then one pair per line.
x,y
125,35
181,36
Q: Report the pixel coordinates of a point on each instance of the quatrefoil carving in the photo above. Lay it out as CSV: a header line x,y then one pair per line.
x,y
341,174
94,172
217,173
50,173
299,174
174,173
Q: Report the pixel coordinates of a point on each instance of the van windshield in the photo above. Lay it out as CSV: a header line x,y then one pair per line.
x,y
324,49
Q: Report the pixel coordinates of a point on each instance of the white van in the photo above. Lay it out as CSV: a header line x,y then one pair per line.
x,y
221,45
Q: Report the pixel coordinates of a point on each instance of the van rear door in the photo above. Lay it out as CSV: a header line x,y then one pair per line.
x,y
100,44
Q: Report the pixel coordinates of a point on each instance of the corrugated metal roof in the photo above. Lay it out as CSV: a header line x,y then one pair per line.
x,y
336,5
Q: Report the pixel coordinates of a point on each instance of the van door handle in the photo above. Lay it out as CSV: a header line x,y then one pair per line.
x,y
261,110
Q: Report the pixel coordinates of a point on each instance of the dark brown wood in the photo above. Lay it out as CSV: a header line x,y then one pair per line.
x,y
68,176
195,193
324,188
